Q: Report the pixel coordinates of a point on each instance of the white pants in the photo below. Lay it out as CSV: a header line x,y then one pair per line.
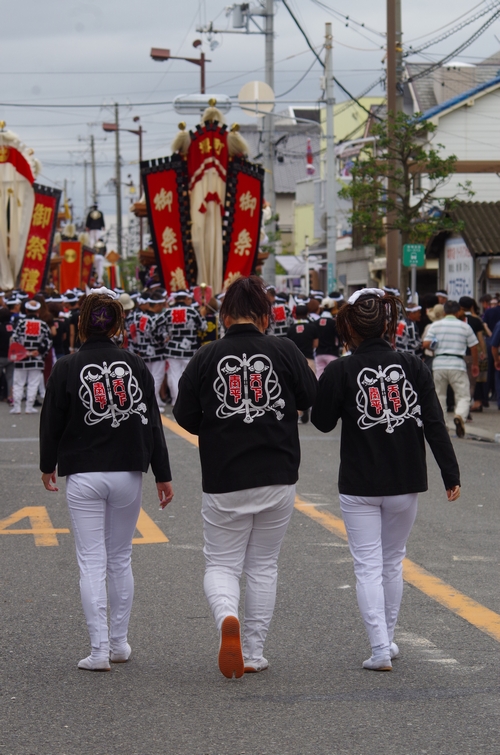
x,y
157,369
243,531
322,361
459,381
21,377
378,528
104,508
174,373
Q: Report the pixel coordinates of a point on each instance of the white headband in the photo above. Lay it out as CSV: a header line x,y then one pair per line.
x,y
105,292
365,291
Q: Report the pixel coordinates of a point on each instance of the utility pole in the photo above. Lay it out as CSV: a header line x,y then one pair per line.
x,y
92,157
394,106
118,180
85,192
269,268
243,15
331,223
141,230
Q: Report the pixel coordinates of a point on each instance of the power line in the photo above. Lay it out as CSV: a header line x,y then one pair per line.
x,y
458,50
299,81
445,26
348,18
454,30
341,86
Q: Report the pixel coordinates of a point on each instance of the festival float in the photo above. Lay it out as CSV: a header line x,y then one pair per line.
x,y
28,217
204,206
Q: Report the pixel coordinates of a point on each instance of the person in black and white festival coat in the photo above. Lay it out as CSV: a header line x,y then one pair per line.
x,y
282,316
101,428
240,395
181,324
389,408
35,336
145,342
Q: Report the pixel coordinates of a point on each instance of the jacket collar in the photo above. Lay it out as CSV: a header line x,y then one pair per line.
x,y
244,328
98,342
373,344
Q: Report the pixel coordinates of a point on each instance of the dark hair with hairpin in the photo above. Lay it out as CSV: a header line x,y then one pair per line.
x,y
369,317
100,316
246,298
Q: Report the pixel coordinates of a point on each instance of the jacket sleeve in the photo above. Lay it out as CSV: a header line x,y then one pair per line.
x,y
46,341
327,408
187,410
159,457
435,429
306,384
53,419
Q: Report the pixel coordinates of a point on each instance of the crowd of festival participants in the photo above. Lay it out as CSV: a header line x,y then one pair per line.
x,y
244,394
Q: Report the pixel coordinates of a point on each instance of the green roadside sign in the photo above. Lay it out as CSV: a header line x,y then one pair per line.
x,y
413,254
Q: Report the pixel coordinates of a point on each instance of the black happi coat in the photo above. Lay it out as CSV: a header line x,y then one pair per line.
x,y
240,394
388,407
328,338
100,415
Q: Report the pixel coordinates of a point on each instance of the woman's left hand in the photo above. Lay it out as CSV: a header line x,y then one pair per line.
x,y
454,493
165,493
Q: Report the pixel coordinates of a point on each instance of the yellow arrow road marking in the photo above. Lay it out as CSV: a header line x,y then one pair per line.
x,y
476,614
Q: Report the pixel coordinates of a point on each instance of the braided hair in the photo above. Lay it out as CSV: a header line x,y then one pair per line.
x,y
369,317
100,316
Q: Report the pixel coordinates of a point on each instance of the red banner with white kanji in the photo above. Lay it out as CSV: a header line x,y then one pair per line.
x,y
71,265
165,185
36,261
244,197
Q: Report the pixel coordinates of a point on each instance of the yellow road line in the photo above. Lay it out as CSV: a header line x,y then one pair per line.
x,y
178,430
476,614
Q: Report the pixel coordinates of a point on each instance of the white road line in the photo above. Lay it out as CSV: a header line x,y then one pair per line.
x,y
430,652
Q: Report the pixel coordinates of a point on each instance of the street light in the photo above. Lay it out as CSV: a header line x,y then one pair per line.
x,y
138,132
160,54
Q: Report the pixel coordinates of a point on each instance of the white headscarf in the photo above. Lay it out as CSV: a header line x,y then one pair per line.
x,y
364,291
105,292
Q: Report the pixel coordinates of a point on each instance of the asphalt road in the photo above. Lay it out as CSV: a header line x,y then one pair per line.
x,y
443,697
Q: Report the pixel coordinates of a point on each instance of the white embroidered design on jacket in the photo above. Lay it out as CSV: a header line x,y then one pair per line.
x,y
110,393
248,386
386,397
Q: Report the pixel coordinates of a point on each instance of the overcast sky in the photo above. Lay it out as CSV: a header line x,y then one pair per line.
x,y
63,52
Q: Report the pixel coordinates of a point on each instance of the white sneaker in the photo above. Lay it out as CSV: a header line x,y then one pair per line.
x,y
394,650
121,654
378,664
31,410
15,410
91,664
253,667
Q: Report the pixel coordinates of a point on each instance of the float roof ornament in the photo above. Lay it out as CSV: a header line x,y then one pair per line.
x,y
23,157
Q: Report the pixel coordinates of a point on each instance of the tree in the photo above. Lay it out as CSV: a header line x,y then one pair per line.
x,y
418,216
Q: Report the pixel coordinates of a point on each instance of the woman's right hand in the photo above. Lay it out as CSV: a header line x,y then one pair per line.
x,y
453,493
49,480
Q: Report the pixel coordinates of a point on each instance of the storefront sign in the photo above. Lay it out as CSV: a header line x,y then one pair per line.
x,y
458,269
